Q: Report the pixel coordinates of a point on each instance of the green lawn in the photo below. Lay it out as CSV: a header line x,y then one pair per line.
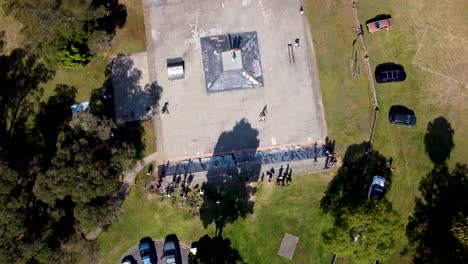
x,y
277,210
412,43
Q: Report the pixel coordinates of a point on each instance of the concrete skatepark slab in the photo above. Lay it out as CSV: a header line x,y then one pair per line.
x,y
198,118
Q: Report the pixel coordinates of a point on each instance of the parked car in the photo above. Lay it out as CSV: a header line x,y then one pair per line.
x,y
401,115
389,72
170,252
147,251
376,189
385,23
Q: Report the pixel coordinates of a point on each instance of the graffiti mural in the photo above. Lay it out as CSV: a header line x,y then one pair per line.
x,y
234,159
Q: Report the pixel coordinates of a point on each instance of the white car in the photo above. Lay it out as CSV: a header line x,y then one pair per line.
x,y
376,189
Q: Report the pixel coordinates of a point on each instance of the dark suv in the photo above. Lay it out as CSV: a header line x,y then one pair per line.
x,y
401,115
389,72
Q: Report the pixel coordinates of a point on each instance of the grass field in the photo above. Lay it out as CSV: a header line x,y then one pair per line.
x,y
293,209
427,35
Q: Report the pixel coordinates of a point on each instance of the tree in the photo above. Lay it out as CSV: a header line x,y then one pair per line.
x,y
99,42
86,169
49,25
368,233
12,211
88,163
90,215
75,54
460,229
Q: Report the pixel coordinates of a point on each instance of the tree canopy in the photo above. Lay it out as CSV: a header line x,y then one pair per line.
x,y
368,233
59,31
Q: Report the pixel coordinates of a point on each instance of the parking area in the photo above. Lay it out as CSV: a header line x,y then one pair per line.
x,y
195,118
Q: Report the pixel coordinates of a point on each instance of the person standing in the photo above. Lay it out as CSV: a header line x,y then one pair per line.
x,y
165,108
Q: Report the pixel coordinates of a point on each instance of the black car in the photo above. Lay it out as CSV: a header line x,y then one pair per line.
x,y
401,115
389,72
147,251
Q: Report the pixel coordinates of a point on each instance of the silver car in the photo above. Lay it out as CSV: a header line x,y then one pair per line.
x,y
376,189
170,252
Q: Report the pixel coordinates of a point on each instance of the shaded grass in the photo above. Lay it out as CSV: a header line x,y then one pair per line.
x,y
293,209
149,139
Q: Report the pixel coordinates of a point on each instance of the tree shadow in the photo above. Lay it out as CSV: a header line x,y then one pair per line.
x,y
52,118
21,74
443,197
121,90
227,192
116,15
214,250
438,140
349,188
132,101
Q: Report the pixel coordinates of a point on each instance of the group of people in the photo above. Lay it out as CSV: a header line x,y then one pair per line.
x,y
284,175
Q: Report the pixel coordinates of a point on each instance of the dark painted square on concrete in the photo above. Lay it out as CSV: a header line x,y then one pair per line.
x,y
288,246
228,65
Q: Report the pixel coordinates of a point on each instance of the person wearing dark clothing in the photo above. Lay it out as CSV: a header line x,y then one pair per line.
x,y
280,171
165,108
263,175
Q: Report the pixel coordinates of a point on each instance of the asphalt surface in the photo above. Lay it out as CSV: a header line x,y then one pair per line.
x,y
134,256
196,118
